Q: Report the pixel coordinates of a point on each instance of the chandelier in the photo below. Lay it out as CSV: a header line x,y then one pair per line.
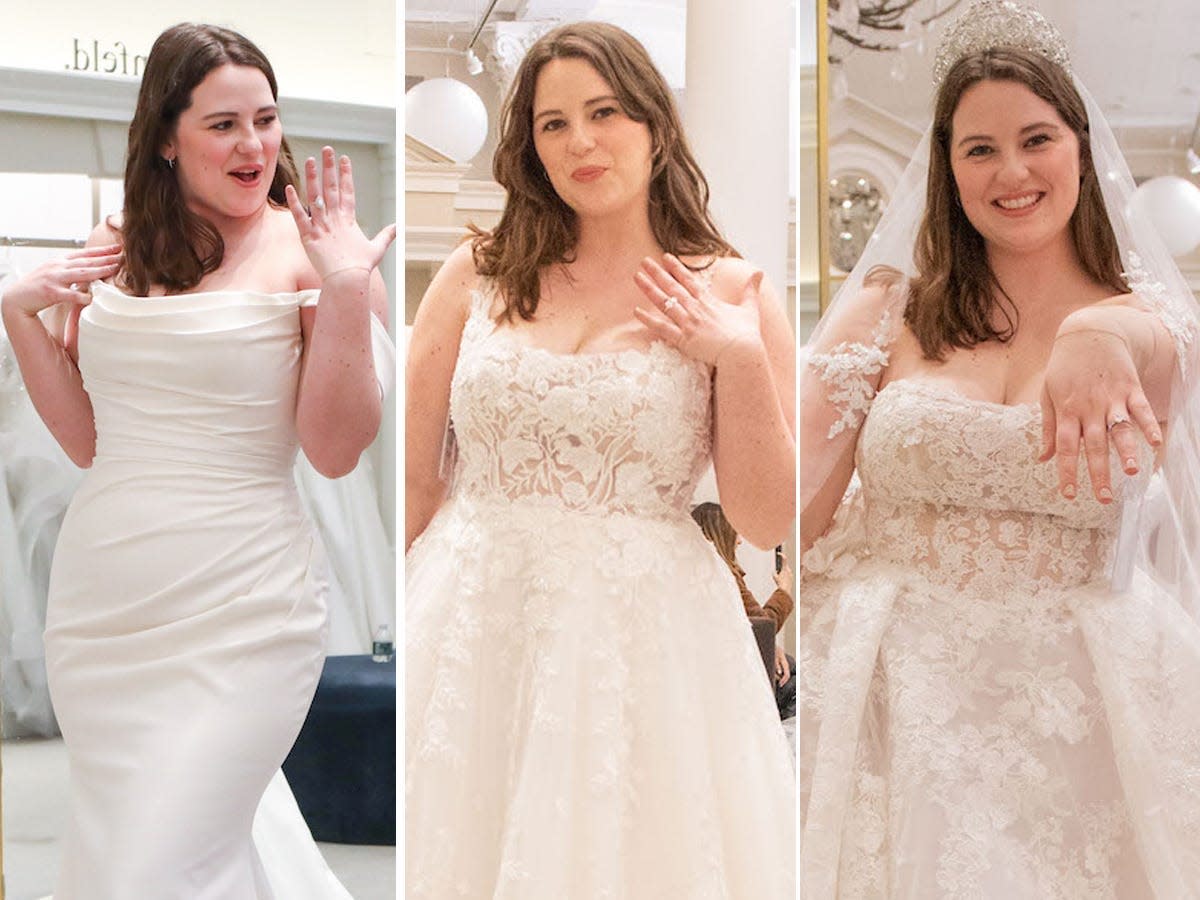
x,y
855,207
881,25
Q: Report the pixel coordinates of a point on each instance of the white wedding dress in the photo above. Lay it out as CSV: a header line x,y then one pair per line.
x,y
36,483
981,715
186,619
587,713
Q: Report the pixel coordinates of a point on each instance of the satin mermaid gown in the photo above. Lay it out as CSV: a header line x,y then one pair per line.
x,y
186,615
587,712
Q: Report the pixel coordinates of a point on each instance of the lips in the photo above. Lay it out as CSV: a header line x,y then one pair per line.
x,y
247,175
588,173
1018,204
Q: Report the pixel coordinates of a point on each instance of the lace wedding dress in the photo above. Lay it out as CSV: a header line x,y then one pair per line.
x,y
982,717
587,715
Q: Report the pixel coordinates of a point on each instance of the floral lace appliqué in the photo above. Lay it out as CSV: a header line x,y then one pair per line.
x,y
983,716
848,369
626,431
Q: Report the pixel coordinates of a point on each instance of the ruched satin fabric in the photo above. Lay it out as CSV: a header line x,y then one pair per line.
x,y
186,615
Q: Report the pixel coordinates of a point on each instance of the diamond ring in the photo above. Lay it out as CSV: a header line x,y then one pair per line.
x,y
319,203
1118,419
671,304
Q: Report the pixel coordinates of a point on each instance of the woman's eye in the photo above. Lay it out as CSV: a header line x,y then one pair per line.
x,y
222,126
552,125
1038,140
979,150
267,120
604,112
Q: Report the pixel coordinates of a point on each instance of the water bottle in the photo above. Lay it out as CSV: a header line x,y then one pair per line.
x,y
382,650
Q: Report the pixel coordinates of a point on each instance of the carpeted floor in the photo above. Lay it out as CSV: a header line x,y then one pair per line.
x,y
34,801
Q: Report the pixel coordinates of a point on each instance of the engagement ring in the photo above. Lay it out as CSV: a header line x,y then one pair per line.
x,y
1118,419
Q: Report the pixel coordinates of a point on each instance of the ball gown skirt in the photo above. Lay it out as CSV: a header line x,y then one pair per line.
x,y
587,712
186,616
982,716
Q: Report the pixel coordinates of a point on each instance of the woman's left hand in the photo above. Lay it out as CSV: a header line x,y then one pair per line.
x,y
687,315
1093,392
329,230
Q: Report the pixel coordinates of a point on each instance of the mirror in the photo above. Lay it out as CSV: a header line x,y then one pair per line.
x,y
64,134
879,97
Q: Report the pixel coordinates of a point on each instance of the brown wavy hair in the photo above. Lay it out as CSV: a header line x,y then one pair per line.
x,y
537,228
953,300
711,519
165,242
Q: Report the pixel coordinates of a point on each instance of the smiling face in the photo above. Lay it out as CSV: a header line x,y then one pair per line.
x,y
226,144
597,158
1016,165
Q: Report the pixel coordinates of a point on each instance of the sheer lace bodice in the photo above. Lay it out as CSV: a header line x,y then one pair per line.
x,y
627,431
953,488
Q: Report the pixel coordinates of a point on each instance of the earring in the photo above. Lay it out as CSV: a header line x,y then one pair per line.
x,y
170,161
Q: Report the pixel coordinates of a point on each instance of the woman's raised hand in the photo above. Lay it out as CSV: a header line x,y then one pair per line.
x,y
1093,395
783,578
63,280
687,316
329,230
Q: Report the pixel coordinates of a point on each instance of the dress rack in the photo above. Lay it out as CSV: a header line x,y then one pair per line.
x,y
58,243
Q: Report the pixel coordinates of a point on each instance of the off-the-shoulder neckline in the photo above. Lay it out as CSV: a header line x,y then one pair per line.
x,y
216,292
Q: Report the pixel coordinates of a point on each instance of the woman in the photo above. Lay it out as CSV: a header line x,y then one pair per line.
x,y
997,670
186,618
559,742
779,605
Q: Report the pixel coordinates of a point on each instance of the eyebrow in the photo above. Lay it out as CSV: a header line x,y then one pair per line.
x,y
558,112
1036,126
234,115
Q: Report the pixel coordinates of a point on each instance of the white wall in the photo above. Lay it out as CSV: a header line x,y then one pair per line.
x,y
344,51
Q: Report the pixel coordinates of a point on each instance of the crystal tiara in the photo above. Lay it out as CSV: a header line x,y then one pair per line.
x,y
988,24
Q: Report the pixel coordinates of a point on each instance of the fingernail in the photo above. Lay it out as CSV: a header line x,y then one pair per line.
x,y
1069,492
1105,494
1131,465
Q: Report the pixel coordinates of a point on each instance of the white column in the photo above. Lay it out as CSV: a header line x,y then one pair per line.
x,y
737,119
736,115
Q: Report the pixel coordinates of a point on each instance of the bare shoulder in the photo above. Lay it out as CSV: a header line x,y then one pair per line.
x,y
727,276
1130,299
286,236
873,316
449,294
106,233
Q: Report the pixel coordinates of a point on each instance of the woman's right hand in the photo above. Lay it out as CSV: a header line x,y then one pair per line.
x,y
782,670
783,578
64,280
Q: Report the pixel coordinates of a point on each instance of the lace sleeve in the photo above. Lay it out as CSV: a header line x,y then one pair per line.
x,y
842,366
1174,312
850,372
